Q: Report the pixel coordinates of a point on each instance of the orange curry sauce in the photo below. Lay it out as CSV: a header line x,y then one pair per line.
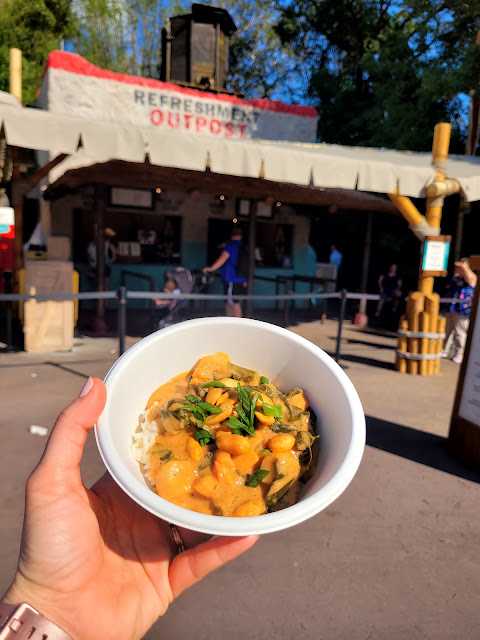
x,y
229,474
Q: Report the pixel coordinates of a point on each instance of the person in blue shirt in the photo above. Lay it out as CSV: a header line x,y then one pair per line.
x,y
335,257
233,283
461,288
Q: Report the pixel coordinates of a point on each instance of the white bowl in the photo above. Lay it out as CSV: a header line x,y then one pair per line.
x,y
287,359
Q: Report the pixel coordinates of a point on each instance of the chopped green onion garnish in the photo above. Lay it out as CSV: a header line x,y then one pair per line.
x,y
274,410
256,477
264,380
214,383
203,437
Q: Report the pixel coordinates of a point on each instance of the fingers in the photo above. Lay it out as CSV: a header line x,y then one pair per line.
x,y
192,565
65,445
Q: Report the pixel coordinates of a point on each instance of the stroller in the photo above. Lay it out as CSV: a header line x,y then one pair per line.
x,y
187,283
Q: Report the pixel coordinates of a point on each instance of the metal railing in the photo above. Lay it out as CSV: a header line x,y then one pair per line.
x,y
123,295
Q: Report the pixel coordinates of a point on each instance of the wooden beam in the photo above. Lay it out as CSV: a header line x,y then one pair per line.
x,y
44,171
149,176
252,243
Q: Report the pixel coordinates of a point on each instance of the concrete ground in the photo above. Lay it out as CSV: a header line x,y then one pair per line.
x,y
396,556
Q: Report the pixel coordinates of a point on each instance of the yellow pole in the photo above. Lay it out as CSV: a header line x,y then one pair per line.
x,y
424,323
406,207
16,73
433,212
414,307
441,326
401,363
432,307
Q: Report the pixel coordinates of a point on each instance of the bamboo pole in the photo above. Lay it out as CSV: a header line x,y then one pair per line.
x,y
441,326
432,307
424,324
401,363
16,73
406,207
443,188
433,212
415,305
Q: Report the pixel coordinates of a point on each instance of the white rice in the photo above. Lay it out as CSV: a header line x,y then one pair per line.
x,y
143,439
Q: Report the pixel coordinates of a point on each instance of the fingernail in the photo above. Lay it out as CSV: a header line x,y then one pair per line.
x,y
86,388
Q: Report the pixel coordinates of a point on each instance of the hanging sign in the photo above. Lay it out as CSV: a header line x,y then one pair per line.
x,y
436,250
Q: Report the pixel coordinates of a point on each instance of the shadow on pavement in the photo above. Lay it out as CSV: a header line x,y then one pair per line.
x,y
371,362
68,369
375,345
421,447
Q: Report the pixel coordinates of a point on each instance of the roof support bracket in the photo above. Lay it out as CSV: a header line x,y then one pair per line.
x,y
418,223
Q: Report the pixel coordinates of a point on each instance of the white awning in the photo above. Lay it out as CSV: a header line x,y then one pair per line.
x,y
319,165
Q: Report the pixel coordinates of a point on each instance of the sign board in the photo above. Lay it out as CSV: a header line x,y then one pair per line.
x,y
74,87
131,198
436,250
464,436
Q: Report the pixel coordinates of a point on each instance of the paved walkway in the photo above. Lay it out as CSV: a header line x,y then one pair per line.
x,y
395,557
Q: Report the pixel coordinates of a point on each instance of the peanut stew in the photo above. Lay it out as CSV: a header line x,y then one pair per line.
x,y
229,442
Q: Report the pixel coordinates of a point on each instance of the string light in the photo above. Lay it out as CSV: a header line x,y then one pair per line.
x,y
235,221
279,204
222,197
158,190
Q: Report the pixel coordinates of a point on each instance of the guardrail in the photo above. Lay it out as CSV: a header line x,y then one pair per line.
x,y
123,295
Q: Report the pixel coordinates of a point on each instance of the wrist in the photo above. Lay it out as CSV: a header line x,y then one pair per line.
x,y
22,621
19,593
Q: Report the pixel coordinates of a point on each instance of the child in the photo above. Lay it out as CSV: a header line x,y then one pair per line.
x,y
163,306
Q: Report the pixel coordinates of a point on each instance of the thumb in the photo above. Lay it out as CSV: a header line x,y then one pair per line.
x,y
192,565
62,455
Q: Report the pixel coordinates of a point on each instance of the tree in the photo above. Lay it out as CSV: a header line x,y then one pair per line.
x,y
384,72
36,27
260,66
123,35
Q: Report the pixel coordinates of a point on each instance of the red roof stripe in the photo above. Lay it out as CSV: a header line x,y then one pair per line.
x,y
74,63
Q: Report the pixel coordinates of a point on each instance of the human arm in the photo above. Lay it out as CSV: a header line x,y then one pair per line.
x,y
93,561
469,276
380,284
223,257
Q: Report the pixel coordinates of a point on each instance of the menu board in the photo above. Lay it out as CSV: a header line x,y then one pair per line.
x,y
436,250
469,407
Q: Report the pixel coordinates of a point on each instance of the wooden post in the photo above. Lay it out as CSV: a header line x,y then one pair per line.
x,y
432,307
366,261
16,74
441,326
100,246
415,305
433,212
252,243
424,324
463,208
401,363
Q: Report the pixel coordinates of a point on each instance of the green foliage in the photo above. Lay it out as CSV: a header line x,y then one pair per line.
x,y
384,72
260,66
123,35
36,27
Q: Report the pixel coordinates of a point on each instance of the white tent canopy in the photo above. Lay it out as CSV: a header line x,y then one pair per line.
x,y
319,165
